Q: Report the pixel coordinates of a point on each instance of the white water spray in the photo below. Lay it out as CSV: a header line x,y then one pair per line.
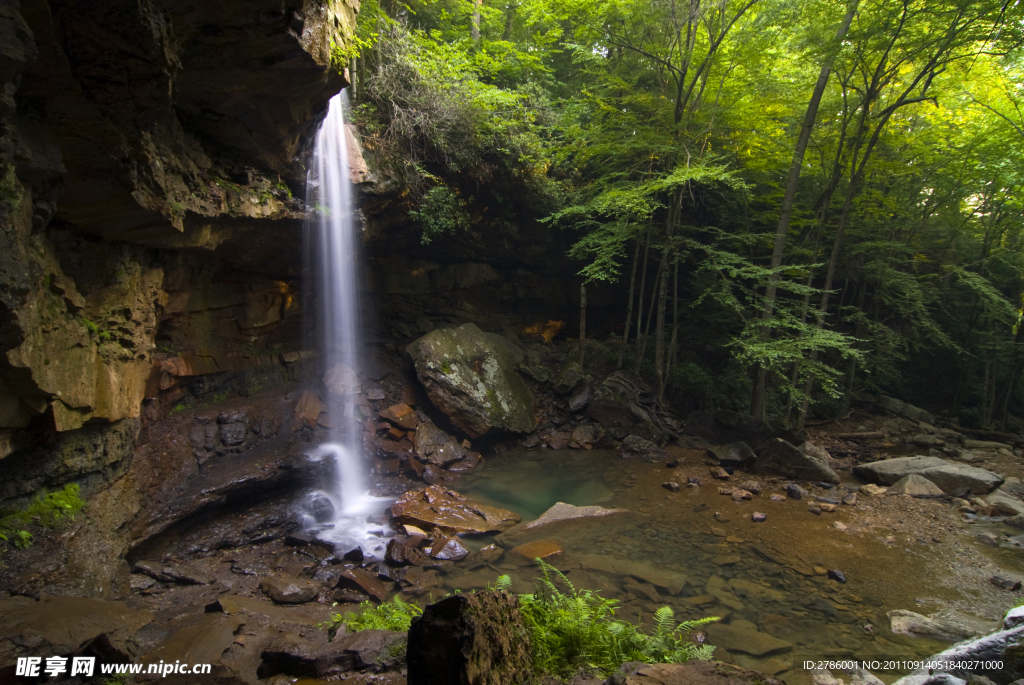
x,y
332,233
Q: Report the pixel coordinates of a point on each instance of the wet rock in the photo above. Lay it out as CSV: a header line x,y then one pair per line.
x,y
188,573
795,491
435,446
402,415
814,509
288,590
308,408
839,525
201,642
347,596
986,445
719,473
836,574
778,498
989,539
140,582
850,499
693,672
569,378
558,440
342,380
621,404
431,474
779,457
448,549
1005,583
539,549
363,582
694,481
65,625
490,553
470,638
448,510
671,485
635,447
915,625
366,650
746,640
873,490
948,476
579,401
758,517
824,506
736,454
915,486
471,377
752,486
741,494
812,450
584,435
319,506
401,553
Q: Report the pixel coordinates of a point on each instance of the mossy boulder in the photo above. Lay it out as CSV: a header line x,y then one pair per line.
x,y
471,376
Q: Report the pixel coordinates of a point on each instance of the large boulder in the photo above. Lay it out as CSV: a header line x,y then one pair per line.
x,y
780,457
947,475
620,405
470,376
907,411
469,639
915,486
912,624
973,658
438,507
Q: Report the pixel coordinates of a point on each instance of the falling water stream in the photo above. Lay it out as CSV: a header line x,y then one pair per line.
x,y
332,235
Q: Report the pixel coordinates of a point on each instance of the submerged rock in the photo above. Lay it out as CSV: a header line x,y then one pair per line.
x,y
702,672
948,476
744,639
471,377
565,512
915,625
470,638
446,509
780,457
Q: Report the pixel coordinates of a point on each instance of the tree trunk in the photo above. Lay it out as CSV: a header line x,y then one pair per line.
x,y
583,321
629,307
475,28
659,340
760,396
640,296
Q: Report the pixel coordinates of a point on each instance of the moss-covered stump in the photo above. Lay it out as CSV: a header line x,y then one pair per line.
x,y
473,639
470,376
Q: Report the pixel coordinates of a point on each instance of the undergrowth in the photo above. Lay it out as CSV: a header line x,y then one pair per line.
x,y
569,631
395,615
575,630
47,511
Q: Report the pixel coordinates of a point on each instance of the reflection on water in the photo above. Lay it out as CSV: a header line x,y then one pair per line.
x,y
766,580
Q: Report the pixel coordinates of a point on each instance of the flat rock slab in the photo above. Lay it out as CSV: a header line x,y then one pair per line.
x,y
64,625
538,549
446,509
566,512
948,476
236,604
746,640
671,581
288,590
698,673
201,643
374,650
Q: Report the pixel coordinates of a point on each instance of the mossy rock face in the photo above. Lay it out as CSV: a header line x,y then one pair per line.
x,y
470,376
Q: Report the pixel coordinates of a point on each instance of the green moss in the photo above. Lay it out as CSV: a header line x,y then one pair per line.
x,y
446,367
98,332
47,511
11,191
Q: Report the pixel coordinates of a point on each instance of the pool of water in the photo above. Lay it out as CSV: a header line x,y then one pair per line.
x,y
766,580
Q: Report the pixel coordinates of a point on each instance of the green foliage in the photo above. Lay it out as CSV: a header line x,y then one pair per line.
x,y
575,630
101,334
395,615
440,213
47,511
10,187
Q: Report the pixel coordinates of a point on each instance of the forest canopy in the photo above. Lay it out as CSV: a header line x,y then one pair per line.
x,y
799,201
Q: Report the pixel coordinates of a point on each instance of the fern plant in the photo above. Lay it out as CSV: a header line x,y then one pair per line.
x,y
577,630
395,615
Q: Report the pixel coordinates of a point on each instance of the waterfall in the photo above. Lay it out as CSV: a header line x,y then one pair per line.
x,y
332,241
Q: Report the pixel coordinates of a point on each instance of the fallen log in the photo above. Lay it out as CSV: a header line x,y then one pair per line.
x,y
867,435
